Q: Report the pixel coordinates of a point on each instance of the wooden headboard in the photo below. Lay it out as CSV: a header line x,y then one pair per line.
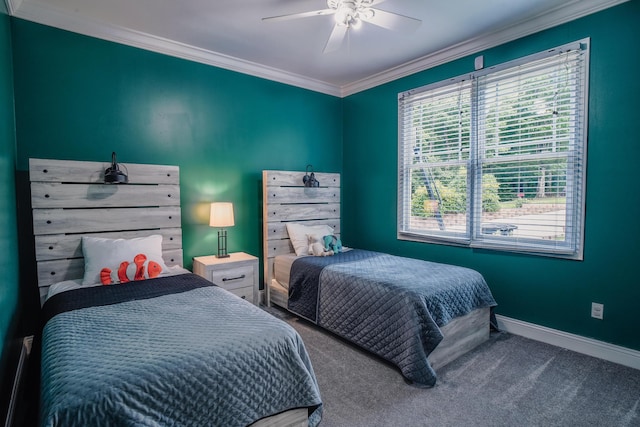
x,y
286,199
69,200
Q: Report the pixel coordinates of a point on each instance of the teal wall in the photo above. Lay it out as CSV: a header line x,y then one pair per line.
x,y
550,292
8,231
81,98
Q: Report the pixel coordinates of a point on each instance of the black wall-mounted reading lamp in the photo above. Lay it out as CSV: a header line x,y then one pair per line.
x,y
310,180
113,174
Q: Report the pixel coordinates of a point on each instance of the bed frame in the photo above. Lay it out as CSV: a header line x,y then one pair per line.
x,y
285,199
69,200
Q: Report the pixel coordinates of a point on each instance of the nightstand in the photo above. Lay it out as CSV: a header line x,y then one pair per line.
x,y
238,273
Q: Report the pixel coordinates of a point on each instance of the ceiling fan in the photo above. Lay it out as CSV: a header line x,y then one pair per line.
x,y
350,14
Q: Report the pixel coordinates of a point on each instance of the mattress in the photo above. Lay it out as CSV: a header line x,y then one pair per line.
x,y
277,287
282,268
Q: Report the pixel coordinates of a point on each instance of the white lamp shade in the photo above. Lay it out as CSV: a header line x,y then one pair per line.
x,y
221,215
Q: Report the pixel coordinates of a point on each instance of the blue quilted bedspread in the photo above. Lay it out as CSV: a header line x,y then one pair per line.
x,y
392,306
198,357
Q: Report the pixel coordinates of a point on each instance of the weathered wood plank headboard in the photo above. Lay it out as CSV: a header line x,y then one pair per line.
x,y
69,200
286,199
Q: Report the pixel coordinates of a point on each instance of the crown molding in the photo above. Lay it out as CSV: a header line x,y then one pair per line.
x,y
12,6
50,16
549,19
55,18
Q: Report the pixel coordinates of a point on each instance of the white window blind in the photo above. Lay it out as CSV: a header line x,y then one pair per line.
x,y
496,159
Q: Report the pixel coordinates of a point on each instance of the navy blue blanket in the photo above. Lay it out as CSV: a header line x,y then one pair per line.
x,y
392,306
305,278
94,296
140,354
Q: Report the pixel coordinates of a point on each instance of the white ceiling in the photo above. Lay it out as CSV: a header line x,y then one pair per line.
x,y
231,34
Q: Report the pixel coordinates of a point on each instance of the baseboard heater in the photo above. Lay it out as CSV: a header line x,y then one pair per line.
x,y
25,351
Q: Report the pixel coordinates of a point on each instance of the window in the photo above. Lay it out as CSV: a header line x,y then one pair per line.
x,y
496,159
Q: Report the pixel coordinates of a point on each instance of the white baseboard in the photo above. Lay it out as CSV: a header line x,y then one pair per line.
x,y
600,349
613,353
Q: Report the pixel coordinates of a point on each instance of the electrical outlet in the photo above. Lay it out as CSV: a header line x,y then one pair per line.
x,y
597,310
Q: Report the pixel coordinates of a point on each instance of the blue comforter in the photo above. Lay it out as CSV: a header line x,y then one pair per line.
x,y
192,356
392,306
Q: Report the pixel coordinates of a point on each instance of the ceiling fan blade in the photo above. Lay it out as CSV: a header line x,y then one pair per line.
x,y
300,15
393,21
336,38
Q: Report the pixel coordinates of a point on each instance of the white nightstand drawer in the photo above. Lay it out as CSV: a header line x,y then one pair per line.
x,y
237,273
233,278
244,293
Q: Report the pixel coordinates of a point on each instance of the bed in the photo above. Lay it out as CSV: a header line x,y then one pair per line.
x,y
416,314
163,346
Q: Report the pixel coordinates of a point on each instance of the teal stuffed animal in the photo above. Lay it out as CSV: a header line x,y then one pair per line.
x,y
332,243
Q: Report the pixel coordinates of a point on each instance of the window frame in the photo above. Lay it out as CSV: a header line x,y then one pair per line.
x,y
473,237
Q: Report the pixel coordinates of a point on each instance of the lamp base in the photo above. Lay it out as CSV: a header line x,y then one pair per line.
x,y
222,244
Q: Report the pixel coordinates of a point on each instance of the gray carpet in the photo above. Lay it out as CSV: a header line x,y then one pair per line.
x,y
508,381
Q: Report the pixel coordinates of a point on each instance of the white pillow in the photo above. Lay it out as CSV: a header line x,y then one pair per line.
x,y
67,285
298,233
110,261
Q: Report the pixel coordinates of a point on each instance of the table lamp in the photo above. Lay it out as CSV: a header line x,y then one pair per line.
x,y
221,216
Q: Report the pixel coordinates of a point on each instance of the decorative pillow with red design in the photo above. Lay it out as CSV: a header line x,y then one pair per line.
x,y
110,261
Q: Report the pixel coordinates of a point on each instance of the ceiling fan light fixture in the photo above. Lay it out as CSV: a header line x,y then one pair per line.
x,y
350,14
